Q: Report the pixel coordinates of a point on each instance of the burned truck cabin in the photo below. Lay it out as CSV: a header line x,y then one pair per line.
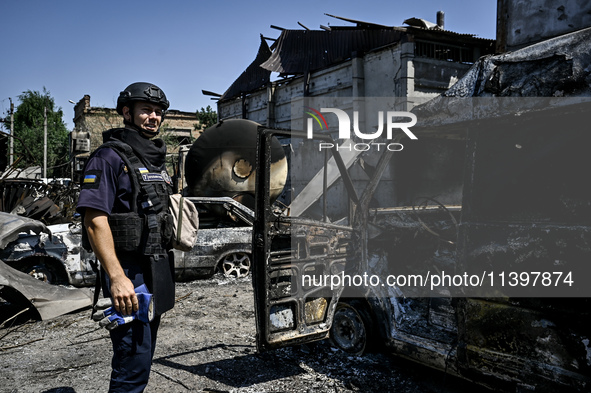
x,y
414,214
494,200
526,216
522,230
512,226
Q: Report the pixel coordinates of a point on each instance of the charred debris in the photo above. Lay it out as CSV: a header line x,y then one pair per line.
x,y
52,202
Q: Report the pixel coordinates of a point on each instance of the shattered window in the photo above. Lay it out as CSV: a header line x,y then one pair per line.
x,y
444,52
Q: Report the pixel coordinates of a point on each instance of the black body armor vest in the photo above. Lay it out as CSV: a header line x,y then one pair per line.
x,y
147,228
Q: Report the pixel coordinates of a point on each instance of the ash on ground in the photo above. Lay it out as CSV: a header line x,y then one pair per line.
x,y
206,344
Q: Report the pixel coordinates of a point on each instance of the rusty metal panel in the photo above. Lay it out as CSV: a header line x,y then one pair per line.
x,y
532,343
50,203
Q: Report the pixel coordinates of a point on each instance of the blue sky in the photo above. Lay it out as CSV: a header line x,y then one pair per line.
x,y
82,47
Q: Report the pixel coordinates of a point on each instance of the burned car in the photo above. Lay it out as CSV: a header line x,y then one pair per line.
x,y
52,253
30,246
218,174
223,241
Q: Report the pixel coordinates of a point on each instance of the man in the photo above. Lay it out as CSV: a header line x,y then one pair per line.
x,y
124,205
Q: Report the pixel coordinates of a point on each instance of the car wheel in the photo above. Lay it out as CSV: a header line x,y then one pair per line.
x,y
235,265
351,328
41,272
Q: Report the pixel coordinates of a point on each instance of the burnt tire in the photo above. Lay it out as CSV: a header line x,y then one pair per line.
x,y
235,265
43,270
352,328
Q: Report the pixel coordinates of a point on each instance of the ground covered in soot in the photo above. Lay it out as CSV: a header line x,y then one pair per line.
x,y
206,344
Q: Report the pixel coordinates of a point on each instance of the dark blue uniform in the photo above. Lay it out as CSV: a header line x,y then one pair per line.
x,y
107,187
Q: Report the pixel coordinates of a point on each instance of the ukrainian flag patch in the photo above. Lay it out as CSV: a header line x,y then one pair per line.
x,y
143,170
92,179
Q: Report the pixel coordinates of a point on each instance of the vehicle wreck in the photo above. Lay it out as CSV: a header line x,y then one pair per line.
x,y
218,176
21,291
491,200
52,253
223,241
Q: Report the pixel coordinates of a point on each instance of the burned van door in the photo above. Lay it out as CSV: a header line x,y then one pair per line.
x,y
293,256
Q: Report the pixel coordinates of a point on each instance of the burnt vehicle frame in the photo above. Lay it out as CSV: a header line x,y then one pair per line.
x,y
223,240
52,253
503,342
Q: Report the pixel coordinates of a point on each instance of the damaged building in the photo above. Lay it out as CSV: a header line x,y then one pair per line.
x,y
410,64
418,61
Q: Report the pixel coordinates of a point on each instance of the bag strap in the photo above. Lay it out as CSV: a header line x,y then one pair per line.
x,y
179,229
97,284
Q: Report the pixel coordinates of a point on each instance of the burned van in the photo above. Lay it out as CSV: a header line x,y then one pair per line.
x,y
472,261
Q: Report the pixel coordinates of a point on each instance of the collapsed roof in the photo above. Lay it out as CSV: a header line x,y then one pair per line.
x,y
559,66
550,74
11,225
301,51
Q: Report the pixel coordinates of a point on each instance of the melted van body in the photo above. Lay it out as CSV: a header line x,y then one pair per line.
x,y
497,257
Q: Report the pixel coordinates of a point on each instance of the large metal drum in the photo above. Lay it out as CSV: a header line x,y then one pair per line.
x,y
221,162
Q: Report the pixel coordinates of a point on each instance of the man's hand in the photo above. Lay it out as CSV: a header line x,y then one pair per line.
x,y
123,295
105,314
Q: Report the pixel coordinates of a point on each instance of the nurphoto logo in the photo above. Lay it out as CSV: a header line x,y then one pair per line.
x,y
391,123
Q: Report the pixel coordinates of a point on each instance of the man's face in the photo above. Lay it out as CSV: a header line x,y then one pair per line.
x,y
145,115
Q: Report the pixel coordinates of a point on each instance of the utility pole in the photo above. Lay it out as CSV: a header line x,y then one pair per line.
x,y
11,154
45,143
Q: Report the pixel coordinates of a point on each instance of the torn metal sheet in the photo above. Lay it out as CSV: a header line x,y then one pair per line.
x,y
11,225
418,22
556,67
50,301
52,202
360,24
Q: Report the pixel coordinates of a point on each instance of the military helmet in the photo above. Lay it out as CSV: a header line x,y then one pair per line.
x,y
141,91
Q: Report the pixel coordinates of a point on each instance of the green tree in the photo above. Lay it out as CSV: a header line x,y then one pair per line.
x,y
28,129
207,118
